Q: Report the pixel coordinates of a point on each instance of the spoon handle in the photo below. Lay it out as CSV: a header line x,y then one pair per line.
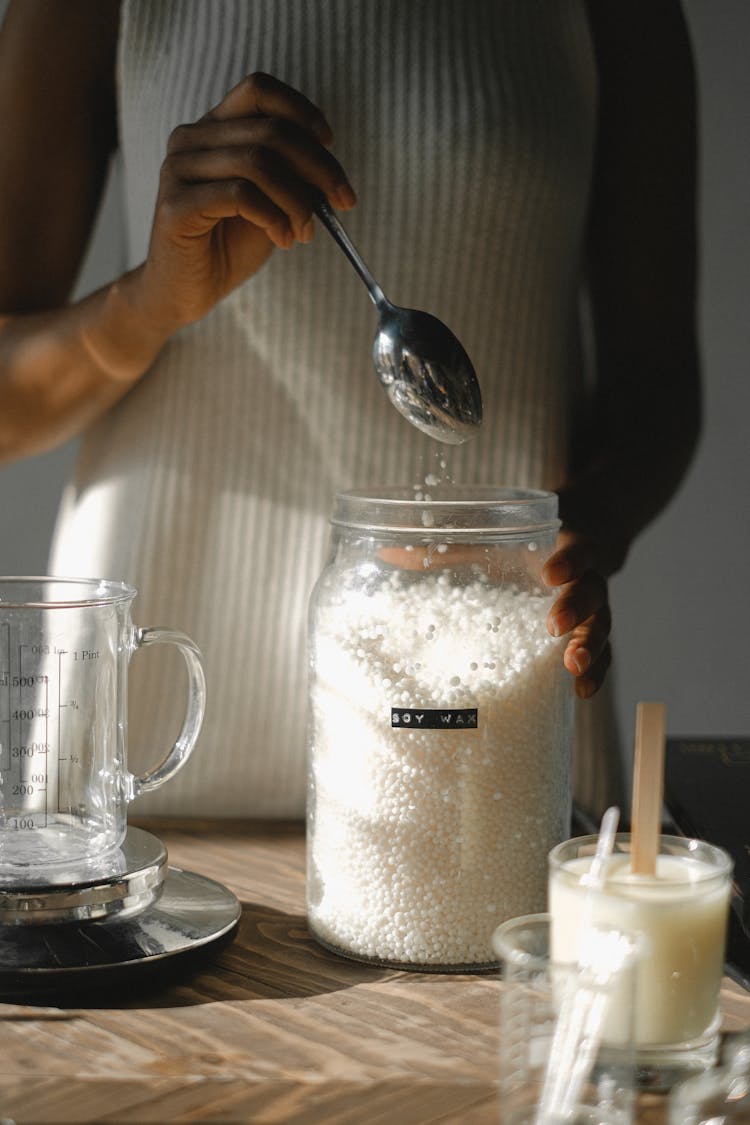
x,y
330,220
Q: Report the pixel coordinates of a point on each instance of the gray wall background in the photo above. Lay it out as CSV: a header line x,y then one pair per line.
x,y
681,606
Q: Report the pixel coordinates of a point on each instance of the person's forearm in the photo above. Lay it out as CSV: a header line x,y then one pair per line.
x,y
62,369
644,450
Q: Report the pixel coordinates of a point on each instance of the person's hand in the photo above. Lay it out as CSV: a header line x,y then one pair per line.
x,y
238,182
582,611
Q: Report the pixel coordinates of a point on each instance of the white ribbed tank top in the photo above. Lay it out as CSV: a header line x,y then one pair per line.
x,y
466,127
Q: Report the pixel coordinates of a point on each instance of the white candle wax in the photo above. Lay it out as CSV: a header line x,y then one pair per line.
x,y
681,913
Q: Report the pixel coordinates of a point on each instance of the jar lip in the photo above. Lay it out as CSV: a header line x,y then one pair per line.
x,y
476,508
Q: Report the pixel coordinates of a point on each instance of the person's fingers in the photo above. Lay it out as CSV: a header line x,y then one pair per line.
x,y
579,601
193,210
587,642
262,97
262,94
261,168
589,683
275,149
574,556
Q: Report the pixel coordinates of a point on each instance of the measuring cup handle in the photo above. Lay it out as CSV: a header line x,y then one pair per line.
x,y
196,706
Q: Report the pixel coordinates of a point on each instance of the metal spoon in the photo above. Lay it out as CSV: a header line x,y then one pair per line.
x,y
426,373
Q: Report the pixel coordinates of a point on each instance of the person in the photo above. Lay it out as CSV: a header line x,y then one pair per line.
x,y
523,171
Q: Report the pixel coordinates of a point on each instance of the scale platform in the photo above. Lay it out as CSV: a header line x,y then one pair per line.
x,y
65,934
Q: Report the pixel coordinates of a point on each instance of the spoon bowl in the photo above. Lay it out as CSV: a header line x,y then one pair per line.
x,y
423,368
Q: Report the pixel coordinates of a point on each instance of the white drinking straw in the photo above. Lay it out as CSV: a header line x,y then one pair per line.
x,y
583,1009
596,875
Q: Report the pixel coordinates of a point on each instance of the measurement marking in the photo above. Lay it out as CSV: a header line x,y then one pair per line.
x,y
58,771
46,748
21,778
19,709
7,648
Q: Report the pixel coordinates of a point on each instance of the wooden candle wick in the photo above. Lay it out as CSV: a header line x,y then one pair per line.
x,y
648,787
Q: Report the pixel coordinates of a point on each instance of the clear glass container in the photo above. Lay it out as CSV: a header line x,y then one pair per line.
x,y
440,725
65,786
680,912
718,1097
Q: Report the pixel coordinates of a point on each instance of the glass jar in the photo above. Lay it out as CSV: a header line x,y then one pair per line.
x,y
681,916
720,1096
440,725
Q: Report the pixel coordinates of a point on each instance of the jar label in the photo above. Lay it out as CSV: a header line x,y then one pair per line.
x,y
434,718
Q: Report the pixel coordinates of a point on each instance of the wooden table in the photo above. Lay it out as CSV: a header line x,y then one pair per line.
x,y
273,1029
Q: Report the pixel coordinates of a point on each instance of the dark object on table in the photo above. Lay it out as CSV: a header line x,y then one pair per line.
x,y
707,794
66,938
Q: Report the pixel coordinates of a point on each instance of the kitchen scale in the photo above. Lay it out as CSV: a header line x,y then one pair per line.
x,y
93,924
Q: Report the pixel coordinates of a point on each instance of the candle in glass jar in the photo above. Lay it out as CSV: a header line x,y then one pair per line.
x,y
680,914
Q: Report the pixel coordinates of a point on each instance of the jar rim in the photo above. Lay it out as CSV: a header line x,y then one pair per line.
x,y
477,508
719,862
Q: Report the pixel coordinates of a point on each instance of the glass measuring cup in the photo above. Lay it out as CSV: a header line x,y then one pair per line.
x,y
566,1027
65,646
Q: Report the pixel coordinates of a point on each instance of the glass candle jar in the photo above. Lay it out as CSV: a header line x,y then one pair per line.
x,y
680,913
440,725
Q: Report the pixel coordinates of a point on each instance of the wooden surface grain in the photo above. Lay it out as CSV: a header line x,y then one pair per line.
x,y
271,1028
